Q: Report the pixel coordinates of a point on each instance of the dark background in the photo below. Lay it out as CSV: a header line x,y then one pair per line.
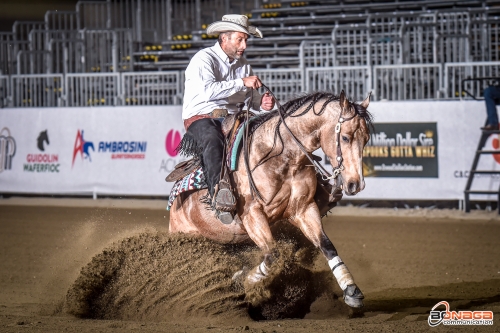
x,y
30,10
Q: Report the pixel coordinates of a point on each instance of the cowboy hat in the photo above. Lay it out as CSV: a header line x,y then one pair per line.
x,y
233,22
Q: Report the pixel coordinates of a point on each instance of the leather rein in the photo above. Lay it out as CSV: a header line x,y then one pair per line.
x,y
325,175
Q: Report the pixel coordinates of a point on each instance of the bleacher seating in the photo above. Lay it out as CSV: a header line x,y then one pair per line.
x,y
400,49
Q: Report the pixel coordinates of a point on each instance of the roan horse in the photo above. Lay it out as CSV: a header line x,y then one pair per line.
x,y
286,181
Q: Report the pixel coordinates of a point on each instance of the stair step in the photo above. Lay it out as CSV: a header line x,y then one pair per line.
x,y
488,152
487,172
480,192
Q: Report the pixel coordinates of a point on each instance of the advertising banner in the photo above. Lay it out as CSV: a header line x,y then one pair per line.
x,y
108,150
402,150
419,150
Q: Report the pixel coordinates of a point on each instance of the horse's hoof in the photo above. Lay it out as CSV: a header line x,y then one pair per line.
x,y
353,296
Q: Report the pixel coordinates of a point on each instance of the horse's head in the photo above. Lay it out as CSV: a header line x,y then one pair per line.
x,y
43,137
348,123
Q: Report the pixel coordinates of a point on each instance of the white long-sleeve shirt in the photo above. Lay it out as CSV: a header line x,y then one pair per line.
x,y
212,82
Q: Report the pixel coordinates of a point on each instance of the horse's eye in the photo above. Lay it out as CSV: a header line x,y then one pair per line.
x,y
345,139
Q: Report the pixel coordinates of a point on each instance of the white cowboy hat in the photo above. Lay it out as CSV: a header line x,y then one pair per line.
x,y
233,22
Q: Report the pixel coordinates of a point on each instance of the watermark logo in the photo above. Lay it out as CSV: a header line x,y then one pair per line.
x,y
81,146
172,141
448,317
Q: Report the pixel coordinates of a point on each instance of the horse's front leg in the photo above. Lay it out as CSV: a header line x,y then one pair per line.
x,y
309,222
257,227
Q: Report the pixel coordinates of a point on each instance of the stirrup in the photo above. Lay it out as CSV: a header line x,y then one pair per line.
x,y
224,199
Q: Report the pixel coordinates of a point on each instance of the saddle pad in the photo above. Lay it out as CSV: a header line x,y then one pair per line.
x,y
193,181
235,149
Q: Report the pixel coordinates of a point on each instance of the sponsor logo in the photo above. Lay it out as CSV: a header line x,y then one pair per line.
x,y
43,138
116,149
7,149
82,147
448,317
37,162
172,140
495,143
402,150
124,149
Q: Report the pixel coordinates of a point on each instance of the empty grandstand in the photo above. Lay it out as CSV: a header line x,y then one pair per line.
x,y
134,52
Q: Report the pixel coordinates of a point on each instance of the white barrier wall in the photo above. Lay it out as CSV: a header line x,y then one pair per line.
x,y
105,150
130,150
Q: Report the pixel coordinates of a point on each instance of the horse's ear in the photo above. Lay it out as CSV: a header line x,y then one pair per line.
x,y
366,102
344,103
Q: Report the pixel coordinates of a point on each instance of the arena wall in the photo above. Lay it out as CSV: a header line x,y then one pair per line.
x,y
420,150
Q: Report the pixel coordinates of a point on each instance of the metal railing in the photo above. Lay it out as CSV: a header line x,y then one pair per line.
x,y
351,45
36,90
285,83
4,91
99,89
61,20
387,82
114,34
407,82
454,73
163,88
354,80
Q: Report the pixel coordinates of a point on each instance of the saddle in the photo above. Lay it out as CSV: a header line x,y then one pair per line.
x,y
224,199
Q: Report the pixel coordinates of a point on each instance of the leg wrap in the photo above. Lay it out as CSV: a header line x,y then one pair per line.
x,y
263,268
341,273
259,273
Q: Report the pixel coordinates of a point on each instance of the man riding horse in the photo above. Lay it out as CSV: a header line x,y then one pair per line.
x,y
217,78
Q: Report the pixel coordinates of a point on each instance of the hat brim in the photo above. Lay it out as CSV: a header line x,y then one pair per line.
x,y
226,26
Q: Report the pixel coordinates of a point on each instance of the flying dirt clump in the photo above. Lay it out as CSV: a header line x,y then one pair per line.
x,y
163,277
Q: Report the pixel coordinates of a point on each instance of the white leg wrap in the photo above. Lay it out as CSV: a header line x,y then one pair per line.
x,y
341,273
263,268
259,273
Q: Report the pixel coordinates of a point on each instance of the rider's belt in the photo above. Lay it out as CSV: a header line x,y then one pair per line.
x,y
216,113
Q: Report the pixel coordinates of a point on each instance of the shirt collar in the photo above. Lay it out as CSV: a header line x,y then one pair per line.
x,y
220,52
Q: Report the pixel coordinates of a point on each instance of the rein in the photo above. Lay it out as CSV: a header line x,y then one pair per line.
x,y
325,175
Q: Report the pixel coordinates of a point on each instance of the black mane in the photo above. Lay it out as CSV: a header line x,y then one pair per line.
x,y
290,108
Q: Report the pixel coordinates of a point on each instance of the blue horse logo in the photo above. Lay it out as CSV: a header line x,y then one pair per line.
x,y
83,147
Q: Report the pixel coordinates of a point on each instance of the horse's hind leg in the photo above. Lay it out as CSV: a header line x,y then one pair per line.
x,y
310,225
258,229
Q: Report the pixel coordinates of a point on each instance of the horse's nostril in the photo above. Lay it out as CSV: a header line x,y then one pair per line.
x,y
352,186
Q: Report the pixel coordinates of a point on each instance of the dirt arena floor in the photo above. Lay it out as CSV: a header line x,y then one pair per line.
x,y
81,265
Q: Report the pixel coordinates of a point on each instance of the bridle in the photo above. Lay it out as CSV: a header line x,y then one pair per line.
x,y
324,174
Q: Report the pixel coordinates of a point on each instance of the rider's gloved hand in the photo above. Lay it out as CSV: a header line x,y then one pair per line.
x,y
267,102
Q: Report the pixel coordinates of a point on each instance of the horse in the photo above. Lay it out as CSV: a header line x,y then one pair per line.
x,y
279,164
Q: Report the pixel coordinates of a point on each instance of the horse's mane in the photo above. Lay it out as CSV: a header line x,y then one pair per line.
x,y
290,108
